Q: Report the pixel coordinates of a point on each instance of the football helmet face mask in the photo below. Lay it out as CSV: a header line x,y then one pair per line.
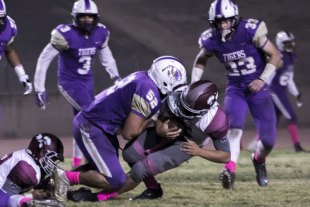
x,y
285,41
224,11
197,99
46,150
168,73
2,15
81,9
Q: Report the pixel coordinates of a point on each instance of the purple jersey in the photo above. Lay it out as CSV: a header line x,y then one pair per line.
x,y
283,74
8,34
75,63
18,172
136,93
244,62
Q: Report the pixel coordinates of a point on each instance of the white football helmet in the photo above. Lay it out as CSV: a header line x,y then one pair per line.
x,y
221,10
85,7
2,15
2,9
168,73
285,41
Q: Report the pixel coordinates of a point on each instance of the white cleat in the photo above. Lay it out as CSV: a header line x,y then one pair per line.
x,y
61,184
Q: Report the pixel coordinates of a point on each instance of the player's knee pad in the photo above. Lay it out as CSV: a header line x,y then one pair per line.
x,y
139,172
131,155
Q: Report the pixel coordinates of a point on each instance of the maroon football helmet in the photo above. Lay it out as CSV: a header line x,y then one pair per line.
x,y
197,99
46,149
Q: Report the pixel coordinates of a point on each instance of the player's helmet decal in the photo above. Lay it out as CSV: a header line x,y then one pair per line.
x,y
168,73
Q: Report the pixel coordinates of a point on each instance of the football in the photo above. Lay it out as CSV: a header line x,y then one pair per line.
x,y
175,123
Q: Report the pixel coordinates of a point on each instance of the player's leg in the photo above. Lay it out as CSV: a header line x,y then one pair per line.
x,y
155,163
263,113
236,108
284,107
4,198
145,144
101,150
79,96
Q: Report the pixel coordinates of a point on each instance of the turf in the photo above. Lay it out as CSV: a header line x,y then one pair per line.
x,y
196,183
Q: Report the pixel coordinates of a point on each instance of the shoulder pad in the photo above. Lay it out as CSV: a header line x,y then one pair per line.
x,y
101,25
260,37
261,30
58,40
207,34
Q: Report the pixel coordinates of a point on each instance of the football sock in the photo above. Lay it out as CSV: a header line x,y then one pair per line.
x,y
292,128
259,159
73,177
105,196
76,161
231,166
151,183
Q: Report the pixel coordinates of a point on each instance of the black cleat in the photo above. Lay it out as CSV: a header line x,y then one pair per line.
x,y
298,148
261,172
227,179
150,194
82,194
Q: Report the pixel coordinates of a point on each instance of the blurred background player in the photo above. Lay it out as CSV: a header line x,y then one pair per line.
x,y
76,45
242,46
127,109
283,82
8,32
163,148
25,169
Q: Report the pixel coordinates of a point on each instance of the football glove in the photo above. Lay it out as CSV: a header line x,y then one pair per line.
x,y
28,87
41,99
23,78
298,100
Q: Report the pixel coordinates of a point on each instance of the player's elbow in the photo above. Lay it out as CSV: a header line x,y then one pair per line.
x,y
129,134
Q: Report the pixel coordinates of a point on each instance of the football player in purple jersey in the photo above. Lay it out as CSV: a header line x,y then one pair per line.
x,y
30,168
8,32
242,46
282,84
76,45
127,109
163,148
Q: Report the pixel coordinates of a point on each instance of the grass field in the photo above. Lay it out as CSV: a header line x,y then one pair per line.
x,y
195,183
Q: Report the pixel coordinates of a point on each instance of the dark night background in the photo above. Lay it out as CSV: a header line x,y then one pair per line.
x,y
140,30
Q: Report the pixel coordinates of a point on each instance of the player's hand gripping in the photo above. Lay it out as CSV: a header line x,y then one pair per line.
x,y
168,131
190,148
